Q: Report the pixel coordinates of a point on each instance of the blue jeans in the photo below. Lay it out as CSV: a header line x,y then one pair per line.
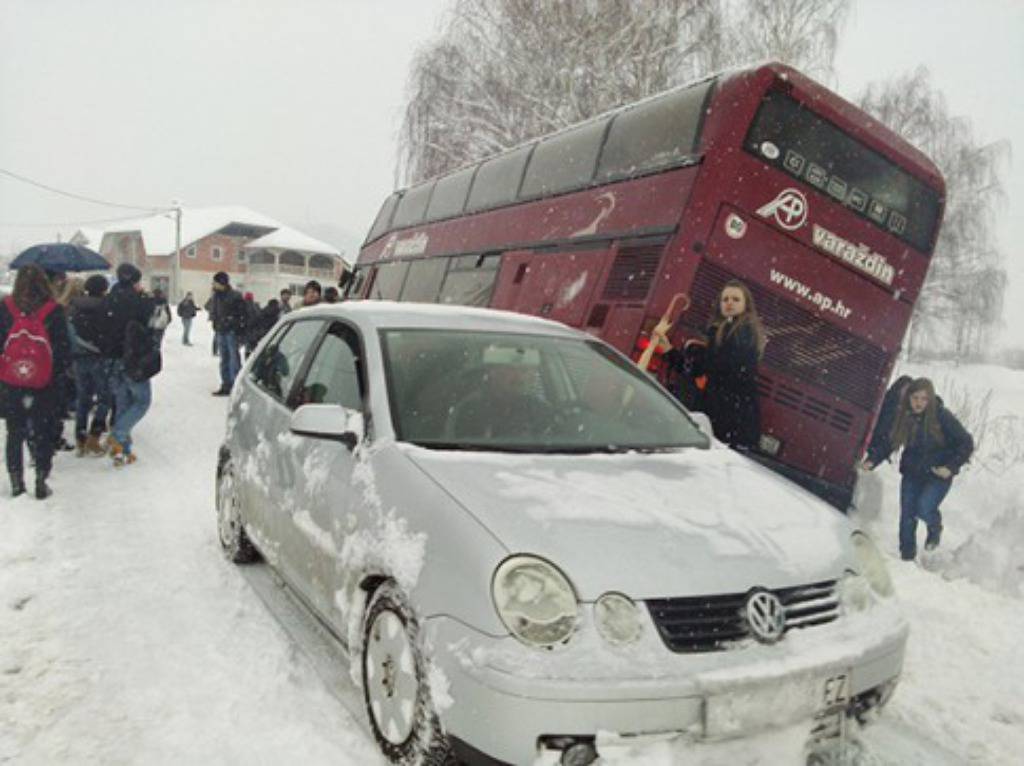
x,y
133,400
92,375
920,497
230,361
186,328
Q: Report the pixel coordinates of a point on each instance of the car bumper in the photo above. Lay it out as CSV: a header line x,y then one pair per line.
x,y
510,702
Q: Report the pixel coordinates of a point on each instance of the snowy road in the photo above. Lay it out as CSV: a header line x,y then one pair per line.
x,y
125,637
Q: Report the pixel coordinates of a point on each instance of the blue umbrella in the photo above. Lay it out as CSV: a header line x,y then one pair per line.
x,y
61,256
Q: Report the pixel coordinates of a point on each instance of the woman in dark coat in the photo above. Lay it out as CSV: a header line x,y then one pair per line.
x,y
935,448
31,413
735,344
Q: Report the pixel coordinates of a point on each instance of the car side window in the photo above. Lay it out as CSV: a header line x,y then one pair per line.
x,y
334,374
278,364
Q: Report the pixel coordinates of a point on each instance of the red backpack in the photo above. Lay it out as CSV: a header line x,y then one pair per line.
x,y
27,358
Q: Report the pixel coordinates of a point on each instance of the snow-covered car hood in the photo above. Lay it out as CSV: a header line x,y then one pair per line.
x,y
687,523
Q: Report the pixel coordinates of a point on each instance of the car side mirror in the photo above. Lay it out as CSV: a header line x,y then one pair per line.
x,y
703,423
328,421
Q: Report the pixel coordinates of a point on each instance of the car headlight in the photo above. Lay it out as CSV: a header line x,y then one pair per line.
x,y
617,619
872,564
535,601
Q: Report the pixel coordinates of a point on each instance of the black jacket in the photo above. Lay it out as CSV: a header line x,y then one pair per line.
x,y
141,355
731,394
121,306
187,309
88,316
268,317
56,324
227,311
925,452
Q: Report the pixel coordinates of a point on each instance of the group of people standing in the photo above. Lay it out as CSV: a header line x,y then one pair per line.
x,y
82,345
239,322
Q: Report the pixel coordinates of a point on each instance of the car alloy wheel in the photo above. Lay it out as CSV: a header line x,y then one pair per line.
x,y
391,677
395,686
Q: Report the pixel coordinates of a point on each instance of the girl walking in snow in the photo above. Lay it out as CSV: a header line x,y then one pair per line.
x,y
33,365
935,446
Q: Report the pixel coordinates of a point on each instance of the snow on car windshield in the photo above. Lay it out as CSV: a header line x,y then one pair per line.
x,y
456,389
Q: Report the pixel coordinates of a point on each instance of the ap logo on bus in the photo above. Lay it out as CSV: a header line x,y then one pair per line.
x,y
789,209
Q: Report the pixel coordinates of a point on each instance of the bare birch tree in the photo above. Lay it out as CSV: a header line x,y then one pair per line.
x,y
505,71
962,300
803,33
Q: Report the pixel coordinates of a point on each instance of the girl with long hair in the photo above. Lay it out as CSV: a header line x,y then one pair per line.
x,y
736,342
935,446
31,413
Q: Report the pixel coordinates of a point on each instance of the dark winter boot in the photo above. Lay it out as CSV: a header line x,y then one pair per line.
x,y
934,536
17,484
43,490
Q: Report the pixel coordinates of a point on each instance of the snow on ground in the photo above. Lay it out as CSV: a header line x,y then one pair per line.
x,y
125,637
965,662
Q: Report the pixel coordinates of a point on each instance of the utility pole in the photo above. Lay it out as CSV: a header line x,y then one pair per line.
x,y
176,265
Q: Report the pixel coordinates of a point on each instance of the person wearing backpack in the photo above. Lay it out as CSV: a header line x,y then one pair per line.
x,y
35,353
134,358
161,317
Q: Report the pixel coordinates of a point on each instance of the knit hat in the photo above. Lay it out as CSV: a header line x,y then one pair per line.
x,y
221,278
128,274
96,285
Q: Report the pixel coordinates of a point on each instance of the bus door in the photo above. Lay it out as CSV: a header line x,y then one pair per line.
x,y
557,285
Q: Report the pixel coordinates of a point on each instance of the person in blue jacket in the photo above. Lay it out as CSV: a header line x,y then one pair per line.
x,y
935,447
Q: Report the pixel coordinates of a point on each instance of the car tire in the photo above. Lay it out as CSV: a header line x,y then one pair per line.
x,y
396,689
230,528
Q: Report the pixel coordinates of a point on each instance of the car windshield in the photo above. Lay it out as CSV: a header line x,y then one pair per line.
x,y
455,389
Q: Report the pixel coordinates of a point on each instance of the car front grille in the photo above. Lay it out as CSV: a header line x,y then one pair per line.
x,y
712,623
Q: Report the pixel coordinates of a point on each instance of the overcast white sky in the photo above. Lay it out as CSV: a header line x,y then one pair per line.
x,y
292,107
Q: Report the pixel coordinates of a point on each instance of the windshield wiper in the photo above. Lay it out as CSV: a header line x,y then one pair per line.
x,y
472,447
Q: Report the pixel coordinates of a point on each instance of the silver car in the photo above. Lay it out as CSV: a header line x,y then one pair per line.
x,y
527,548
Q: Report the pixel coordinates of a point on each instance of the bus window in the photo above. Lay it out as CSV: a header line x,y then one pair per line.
x,y
387,284
383,219
795,140
470,280
413,205
654,134
450,194
564,161
424,280
497,180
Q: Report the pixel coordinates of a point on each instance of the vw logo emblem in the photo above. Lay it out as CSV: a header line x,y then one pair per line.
x,y
765,616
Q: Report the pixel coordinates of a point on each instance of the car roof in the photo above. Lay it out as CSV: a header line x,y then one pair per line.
x,y
394,315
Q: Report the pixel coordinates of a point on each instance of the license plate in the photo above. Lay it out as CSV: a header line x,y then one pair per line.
x,y
835,692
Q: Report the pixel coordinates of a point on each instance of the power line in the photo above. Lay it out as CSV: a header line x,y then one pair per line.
x,y
82,197
69,223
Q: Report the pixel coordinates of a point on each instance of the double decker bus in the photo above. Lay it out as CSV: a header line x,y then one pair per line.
x,y
760,175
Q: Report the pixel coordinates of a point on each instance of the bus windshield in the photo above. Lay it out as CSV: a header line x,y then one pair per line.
x,y
788,136
454,389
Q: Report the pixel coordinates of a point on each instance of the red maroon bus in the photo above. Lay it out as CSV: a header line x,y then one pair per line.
x,y
761,175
